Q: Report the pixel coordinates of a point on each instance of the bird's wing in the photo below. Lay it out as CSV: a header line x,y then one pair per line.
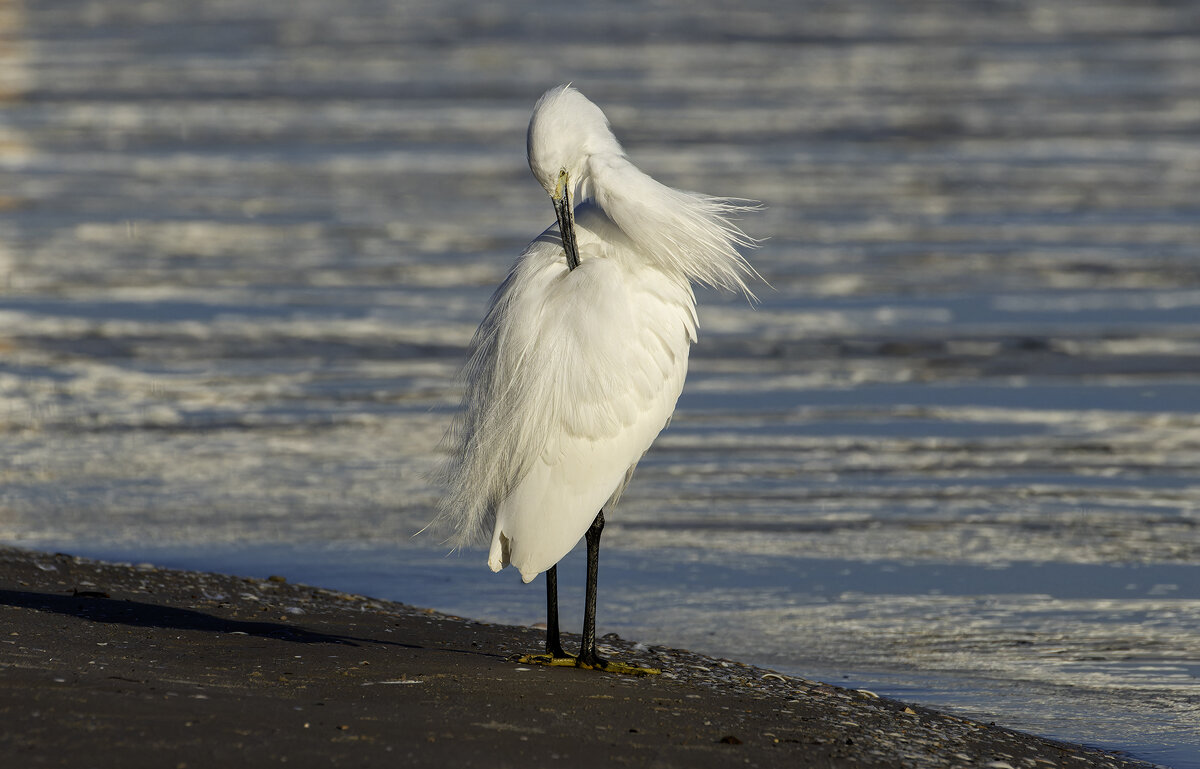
x,y
573,374
608,365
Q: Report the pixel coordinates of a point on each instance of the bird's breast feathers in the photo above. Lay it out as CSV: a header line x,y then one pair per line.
x,y
602,345
603,355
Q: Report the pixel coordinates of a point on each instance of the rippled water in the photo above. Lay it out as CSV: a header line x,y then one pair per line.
x,y
952,454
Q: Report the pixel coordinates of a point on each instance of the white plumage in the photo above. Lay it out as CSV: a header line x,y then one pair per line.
x,y
574,372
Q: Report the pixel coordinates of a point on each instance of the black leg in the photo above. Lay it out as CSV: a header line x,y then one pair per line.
x,y
587,649
553,645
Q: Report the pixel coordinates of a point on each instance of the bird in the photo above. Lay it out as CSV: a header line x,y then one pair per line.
x,y
581,355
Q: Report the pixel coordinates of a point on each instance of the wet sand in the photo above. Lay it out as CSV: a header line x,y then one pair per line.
x,y
123,665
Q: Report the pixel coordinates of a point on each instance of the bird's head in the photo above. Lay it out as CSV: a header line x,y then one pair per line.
x,y
565,130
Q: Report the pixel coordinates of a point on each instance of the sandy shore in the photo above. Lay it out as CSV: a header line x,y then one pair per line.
x,y
118,665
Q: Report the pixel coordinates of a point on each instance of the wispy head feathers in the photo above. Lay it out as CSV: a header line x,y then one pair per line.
x,y
681,233
685,234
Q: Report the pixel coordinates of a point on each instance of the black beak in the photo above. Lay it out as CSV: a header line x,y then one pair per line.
x,y
566,218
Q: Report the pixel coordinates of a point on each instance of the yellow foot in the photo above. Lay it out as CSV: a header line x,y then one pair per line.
x,y
546,659
610,666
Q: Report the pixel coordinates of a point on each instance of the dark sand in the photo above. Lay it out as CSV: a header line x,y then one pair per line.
x,y
116,665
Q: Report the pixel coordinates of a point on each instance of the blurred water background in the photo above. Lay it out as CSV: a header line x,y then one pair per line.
x,y
951,456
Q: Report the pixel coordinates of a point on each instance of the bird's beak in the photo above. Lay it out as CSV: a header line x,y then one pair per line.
x,y
566,217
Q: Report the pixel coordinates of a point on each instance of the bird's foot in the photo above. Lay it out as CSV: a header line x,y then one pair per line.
x,y
569,661
612,666
560,659
594,661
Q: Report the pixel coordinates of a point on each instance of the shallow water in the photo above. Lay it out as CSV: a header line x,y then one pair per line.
x,y
951,455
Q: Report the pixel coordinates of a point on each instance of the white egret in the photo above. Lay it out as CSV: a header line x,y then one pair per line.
x,y
582,354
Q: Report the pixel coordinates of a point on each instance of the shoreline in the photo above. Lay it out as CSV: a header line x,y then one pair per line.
x,y
103,663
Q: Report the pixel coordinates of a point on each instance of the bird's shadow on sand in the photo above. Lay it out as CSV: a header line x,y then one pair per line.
x,y
138,614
